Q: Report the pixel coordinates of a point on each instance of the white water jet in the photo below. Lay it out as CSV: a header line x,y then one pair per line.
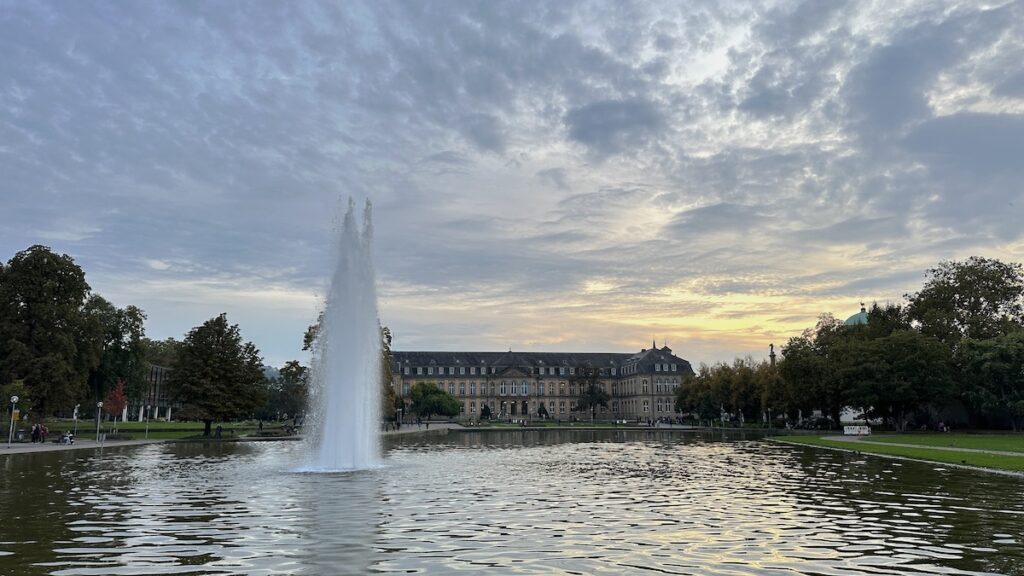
x,y
345,394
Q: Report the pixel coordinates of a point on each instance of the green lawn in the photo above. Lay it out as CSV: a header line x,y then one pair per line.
x,y
1003,442
1014,463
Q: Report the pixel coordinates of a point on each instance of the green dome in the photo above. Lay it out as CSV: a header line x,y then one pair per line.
x,y
858,318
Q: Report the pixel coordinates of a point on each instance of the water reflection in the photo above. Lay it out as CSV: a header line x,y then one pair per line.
x,y
557,502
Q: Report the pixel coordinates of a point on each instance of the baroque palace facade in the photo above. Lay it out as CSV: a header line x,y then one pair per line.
x,y
641,386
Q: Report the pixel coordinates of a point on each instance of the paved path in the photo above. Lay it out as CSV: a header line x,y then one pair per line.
x,y
80,444
413,429
861,440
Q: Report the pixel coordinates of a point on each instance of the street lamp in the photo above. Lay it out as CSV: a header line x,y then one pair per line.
x,y
147,422
98,406
76,418
10,434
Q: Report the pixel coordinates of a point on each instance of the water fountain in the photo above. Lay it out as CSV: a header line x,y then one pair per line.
x,y
345,395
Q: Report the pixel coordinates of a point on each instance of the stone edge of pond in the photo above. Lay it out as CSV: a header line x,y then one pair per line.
x,y
782,440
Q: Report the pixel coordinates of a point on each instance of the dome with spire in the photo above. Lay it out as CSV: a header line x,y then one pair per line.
x,y
858,318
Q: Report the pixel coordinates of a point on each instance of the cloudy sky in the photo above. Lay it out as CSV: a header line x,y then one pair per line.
x,y
556,176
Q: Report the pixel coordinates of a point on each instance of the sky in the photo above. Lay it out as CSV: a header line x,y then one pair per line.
x,y
548,176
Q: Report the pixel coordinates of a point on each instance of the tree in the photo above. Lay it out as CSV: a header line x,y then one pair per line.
x,y
115,401
387,393
485,412
122,349
44,338
428,399
994,372
592,393
542,411
216,376
977,298
16,388
918,373
161,352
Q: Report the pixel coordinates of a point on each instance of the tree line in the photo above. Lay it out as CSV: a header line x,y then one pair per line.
x,y
952,352
63,345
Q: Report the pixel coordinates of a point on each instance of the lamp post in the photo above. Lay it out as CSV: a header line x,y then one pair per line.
x,y
10,434
147,422
76,418
98,406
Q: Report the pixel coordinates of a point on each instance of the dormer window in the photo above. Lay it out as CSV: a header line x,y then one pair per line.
x,y
673,367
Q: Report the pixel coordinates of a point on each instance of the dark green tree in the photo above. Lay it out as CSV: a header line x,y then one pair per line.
x,y
122,349
993,371
161,352
428,399
44,338
485,412
217,377
977,298
592,393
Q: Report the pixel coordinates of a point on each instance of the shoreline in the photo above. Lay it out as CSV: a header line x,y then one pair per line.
x,y
1016,474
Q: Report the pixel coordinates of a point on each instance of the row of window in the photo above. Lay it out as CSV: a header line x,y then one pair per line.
x,y
513,388
662,406
539,370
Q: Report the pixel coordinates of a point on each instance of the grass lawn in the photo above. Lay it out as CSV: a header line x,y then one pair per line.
x,y
1003,442
1014,463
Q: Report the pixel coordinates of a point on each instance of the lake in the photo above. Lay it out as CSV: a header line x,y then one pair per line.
x,y
506,502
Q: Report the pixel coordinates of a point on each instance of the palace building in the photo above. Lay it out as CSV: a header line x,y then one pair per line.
x,y
641,386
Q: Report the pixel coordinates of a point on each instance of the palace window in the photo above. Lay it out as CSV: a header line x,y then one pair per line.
x,y
561,406
451,388
645,405
561,370
526,388
644,390
430,370
462,369
673,367
405,389
502,387
462,388
472,407
419,370
572,369
472,370
613,371
657,367
540,389
406,371
472,388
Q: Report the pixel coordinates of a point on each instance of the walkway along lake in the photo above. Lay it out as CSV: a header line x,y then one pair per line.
x,y
514,502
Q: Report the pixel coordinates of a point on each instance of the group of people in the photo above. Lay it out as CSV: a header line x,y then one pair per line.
x,y
40,432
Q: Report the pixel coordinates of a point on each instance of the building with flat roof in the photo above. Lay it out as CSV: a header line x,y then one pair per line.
x,y
641,386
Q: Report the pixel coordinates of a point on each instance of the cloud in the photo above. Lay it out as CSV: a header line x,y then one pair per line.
x,y
612,126
727,168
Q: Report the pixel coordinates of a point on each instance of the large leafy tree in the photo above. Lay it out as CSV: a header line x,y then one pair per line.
x,y
216,376
977,298
44,337
122,347
428,399
161,352
592,393
993,370
288,392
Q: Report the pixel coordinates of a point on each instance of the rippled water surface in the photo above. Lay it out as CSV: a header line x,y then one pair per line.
x,y
507,503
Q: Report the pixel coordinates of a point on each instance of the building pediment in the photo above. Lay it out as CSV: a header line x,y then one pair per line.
x,y
512,373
